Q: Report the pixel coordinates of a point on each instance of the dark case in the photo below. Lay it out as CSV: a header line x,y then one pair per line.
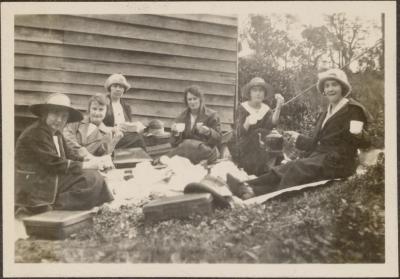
x,y
178,207
57,224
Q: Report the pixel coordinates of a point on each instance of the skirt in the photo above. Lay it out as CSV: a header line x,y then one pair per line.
x,y
82,192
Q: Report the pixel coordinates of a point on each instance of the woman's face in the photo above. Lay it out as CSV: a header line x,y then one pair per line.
x,y
57,118
192,101
333,91
116,91
97,112
257,94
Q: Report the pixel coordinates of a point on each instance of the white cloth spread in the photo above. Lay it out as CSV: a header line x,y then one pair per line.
x,y
260,113
118,113
55,139
331,111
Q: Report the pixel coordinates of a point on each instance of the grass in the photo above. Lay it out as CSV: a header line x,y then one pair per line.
x,y
339,223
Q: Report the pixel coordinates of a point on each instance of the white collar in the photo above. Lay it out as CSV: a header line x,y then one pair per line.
x,y
330,112
341,104
260,113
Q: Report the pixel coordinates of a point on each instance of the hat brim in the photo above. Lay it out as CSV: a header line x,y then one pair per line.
x,y
74,115
162,136
246,89
346,87
109,82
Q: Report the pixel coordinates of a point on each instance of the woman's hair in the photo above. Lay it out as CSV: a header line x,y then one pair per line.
x,y
194,90
99,98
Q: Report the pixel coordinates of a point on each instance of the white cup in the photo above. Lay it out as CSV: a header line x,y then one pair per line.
x,y
356,126
199,124
180,127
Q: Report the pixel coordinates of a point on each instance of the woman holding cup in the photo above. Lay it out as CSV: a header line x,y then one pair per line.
x,y
332,149
254,120
119,114
196,131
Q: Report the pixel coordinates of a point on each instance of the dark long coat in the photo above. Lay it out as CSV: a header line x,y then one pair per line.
x,y
193,145
129,139
42,177
109,119
246,149
332,152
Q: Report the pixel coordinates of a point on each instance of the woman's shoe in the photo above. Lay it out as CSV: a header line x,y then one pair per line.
x,y
238,188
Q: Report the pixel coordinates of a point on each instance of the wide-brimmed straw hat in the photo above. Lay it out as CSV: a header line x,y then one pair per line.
x,y
335,74
117,79
257,81
156,128
57,101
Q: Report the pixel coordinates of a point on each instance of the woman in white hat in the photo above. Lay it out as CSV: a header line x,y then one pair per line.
x,y
90,136
48,173
332,149
254,120
119,113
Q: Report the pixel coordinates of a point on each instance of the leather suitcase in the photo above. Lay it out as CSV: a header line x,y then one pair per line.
x,y
178,207
57,224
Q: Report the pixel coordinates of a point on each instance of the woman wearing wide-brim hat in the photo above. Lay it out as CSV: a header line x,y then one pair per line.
x,y
119,113
254,120
331,150
48,173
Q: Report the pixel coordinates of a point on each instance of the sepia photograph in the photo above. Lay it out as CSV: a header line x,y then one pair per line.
x,y
199,139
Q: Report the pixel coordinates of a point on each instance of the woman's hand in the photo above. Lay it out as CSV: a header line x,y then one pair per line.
x,y
291,136
122,128
203,130
105,163
91,164
279,100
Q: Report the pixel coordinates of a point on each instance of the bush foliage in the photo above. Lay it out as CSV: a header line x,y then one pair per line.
x,y
291,66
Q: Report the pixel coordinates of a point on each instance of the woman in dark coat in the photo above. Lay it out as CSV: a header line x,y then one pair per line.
x,y
255,120
196,132
48,173
332,150
119,114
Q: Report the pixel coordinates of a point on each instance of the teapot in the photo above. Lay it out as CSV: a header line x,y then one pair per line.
x,y
274,141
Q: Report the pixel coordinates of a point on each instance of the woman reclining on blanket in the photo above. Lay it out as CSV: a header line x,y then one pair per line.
x,y
332,150
49,174
90,136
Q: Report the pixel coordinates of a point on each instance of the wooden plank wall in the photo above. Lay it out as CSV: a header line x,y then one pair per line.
x,y
159,54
